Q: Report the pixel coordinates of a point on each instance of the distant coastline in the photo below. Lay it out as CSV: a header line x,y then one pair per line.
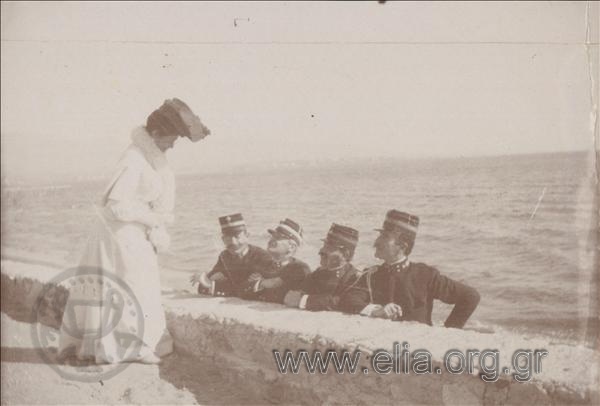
x,y
12,183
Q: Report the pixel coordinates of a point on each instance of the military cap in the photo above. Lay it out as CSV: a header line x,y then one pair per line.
x,y
401,224
342,237
232,223
288,229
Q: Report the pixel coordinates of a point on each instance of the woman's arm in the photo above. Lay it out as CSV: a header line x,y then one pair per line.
x,y
132,211
122,201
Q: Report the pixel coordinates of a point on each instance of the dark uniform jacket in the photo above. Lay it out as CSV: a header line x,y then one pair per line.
x,y
328,292
290,277
414,286
236,271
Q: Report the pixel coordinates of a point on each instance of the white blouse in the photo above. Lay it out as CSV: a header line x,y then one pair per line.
x,y
142,189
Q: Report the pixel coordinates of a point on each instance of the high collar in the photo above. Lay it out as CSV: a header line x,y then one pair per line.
x,y
157,159
146,144
341,271
398,265
285,262
242,254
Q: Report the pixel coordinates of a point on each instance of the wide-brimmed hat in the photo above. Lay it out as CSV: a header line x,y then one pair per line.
x,y
175,117
288,229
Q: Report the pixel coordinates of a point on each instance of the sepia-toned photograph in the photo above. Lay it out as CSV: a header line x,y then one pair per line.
x,y
300,203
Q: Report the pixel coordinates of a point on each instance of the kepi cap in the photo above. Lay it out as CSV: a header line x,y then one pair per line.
x,y
232,223
402,224
288,229
342,236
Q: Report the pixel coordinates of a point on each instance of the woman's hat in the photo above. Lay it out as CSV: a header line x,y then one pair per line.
x,y
288,229
175,117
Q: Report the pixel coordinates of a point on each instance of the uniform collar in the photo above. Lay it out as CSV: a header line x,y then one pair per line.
x,y
399,265
338,272
342,271
286,262
244,253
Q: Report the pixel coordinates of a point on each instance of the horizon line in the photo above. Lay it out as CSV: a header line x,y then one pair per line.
x,y
285,164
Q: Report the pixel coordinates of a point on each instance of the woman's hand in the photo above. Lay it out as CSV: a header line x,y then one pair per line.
x,y
133,211
164,216
160,238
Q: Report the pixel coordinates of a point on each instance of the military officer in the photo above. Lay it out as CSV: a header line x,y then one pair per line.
x,y
402,290
285,240
231,274
326,288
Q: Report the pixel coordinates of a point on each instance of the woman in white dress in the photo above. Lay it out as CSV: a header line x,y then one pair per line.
x,y
101,319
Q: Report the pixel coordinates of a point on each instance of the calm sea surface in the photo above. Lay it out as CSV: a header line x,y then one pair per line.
x,y
479,224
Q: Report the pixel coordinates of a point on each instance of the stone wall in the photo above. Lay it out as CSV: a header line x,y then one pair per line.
x,y
240,337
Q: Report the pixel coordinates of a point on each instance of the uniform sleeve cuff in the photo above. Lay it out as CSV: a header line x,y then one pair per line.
x,y
303,301
369,309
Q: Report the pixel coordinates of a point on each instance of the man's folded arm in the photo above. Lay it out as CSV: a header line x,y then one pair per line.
x,y
219,267
357,300
464,298
318,302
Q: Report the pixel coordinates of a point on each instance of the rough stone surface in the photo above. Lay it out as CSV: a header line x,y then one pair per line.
x,y
237,339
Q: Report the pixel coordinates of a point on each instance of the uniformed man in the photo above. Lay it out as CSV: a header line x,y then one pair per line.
x,y
291,272
401,290
231,274
326,288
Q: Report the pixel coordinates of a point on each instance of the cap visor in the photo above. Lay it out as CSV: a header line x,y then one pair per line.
x,y
233,230
329,248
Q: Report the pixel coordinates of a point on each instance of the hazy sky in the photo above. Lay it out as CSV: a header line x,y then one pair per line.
x,y
299,81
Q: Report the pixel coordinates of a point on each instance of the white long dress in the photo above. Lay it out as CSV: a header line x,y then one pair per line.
x,y
141,189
